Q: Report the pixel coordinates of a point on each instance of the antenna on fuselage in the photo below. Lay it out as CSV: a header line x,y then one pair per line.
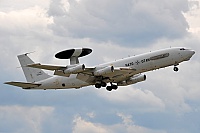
x,y
29,52
73,54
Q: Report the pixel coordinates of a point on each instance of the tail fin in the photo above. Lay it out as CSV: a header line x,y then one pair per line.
x,y
31,74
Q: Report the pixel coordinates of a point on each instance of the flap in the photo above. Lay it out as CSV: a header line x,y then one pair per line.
x,y
60,73
86,78
125,69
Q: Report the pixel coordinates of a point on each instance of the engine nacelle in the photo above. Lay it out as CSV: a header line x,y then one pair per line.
x,y
104,71
133,80
74,70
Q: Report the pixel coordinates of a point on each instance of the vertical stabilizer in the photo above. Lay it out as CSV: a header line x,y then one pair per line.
x,y
31,74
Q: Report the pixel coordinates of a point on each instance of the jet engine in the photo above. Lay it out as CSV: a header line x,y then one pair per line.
x,y
75,69
133,80
104,71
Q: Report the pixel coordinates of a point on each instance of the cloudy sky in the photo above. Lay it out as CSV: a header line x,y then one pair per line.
x,y
167,102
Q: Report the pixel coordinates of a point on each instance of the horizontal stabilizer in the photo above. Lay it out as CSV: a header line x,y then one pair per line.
x,y
23,85
46,67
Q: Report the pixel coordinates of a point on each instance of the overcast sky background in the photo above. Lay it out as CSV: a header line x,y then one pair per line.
x,y
168,102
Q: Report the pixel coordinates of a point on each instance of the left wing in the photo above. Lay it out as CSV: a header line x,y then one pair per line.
x,y
63,70
47,67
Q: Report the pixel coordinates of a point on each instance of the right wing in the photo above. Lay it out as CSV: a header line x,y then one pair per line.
x,y
23,84
106,74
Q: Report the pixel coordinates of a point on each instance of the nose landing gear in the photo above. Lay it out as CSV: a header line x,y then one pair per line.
x,y
176,69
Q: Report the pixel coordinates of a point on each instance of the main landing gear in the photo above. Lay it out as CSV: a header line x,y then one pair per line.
x,y
103,84
100,84
112,87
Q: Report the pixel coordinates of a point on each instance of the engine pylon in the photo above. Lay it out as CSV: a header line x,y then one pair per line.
x,y
73,54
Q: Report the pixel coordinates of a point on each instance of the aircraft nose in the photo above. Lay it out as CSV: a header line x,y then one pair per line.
x,y
189,54
192,52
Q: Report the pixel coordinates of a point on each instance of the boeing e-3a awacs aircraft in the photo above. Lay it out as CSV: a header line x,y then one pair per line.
x,y
117,73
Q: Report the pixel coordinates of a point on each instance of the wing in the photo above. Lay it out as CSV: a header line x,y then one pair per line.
x,y
23,84
47,67
121,74
116,75
91,75
61,70
58,70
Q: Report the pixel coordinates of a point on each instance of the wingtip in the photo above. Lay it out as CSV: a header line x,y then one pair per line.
x,y
6,82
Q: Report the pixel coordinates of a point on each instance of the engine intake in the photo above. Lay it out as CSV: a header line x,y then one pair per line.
x,y
104,71
74,70
135,79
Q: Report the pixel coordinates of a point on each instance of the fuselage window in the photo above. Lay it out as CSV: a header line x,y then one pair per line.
x,y
159,56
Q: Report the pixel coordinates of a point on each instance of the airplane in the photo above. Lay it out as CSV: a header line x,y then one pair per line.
x,y
121,72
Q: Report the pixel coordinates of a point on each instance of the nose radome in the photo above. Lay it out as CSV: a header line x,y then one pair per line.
x,y
192,52
189,53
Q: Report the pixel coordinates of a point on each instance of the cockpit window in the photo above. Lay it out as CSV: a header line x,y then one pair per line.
x,y
182,49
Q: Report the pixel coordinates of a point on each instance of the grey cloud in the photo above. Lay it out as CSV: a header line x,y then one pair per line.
x,y
56,8
130,21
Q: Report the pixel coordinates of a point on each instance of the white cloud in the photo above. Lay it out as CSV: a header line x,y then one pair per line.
x,y
192,16
22,31
24,22
91,114
66,5
9,5
20,119
142,100
127,125
82,126
127,119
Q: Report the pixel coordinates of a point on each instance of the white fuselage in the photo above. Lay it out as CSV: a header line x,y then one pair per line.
x,y
142,63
